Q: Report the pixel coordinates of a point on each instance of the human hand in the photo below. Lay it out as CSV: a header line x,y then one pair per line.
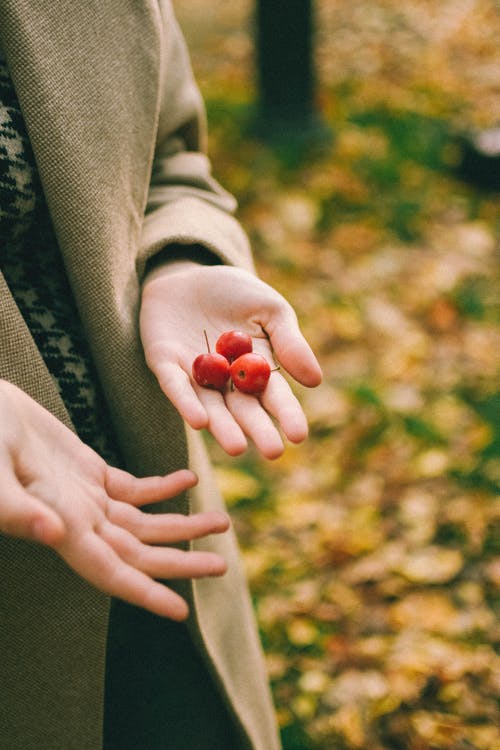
x,y
57,491
178,304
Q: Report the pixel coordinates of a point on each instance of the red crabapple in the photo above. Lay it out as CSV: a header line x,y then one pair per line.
x,y
211,370
232,344
250,373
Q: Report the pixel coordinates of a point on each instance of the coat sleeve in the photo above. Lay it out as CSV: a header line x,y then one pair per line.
x,y
186,206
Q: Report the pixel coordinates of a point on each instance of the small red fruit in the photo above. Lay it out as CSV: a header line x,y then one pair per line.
x,y
250,373
211,370
232,344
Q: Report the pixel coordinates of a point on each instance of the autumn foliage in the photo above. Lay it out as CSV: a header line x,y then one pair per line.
x,y
373,549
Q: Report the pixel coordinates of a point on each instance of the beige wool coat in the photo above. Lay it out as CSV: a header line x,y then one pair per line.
x,y
116,125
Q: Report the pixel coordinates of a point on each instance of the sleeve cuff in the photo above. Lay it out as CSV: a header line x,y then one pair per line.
x,y
189,222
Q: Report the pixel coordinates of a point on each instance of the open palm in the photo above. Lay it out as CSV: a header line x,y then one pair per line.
x,y
178,305
57,491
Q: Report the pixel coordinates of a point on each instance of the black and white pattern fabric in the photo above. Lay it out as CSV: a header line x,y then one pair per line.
x,y
17,172
32,266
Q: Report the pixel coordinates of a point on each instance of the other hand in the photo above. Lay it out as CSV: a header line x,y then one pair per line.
x,y
57,491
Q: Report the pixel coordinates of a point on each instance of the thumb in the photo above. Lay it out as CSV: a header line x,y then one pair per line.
x,y
23,515
292,350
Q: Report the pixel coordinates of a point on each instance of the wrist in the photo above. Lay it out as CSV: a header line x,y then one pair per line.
x,y
167,269
177,256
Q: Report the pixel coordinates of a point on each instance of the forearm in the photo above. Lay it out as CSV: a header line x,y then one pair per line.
x,y
186,207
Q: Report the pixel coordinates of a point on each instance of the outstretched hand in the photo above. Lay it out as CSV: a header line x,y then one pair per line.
x,y
57,491
179,303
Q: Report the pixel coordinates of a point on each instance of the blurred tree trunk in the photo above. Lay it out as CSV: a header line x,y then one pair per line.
x,y
284,30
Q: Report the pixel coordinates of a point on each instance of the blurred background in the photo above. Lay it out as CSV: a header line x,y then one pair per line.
x,y
372,550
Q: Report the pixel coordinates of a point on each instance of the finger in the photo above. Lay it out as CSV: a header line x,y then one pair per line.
x,y
291,349
120,485
176,385
279,400
256,423
168,528
161,562
101,566
221,422
23,515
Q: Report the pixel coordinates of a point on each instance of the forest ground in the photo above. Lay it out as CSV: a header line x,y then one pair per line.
x,y
373,549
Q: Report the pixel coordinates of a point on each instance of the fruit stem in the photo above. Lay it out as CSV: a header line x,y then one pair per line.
x,y
206,339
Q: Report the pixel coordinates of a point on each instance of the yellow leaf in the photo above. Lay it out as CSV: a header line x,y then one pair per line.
x,y
432,565
301,632
235,484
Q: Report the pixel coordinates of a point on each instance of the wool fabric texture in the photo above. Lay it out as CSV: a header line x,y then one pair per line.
x,y
116,125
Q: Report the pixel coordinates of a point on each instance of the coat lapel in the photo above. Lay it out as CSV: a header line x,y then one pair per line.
x,y
87,77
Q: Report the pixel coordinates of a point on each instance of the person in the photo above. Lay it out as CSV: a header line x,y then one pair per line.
x,y
125,618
